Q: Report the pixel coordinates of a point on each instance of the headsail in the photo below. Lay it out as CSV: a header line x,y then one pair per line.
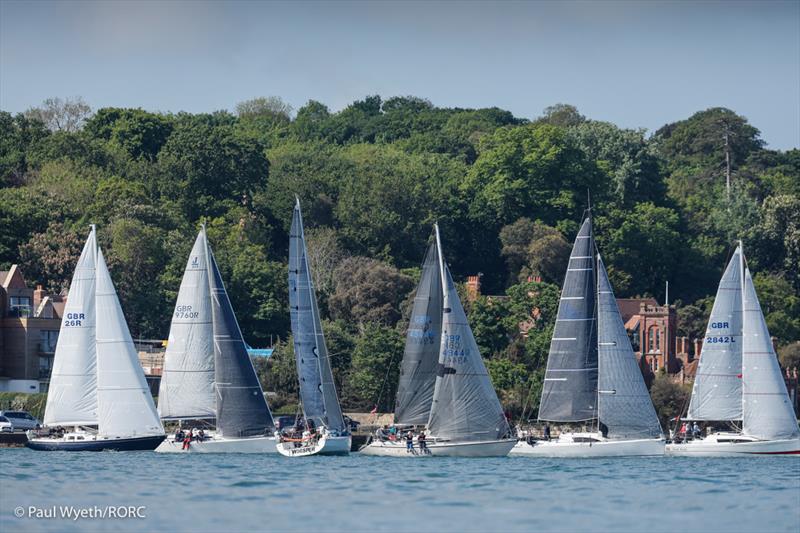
x,y
242,410
465,405
624,404
317,389
569,393
717,390
72,396
767,411
124,404
187,381
423,341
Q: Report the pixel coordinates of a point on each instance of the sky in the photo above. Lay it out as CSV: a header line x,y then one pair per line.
x,y
636,64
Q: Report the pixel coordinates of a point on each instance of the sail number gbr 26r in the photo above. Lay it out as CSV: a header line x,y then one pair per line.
x,y
721,339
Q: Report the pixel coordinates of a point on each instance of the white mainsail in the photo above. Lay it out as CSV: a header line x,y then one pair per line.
x,y
767,410
124,404
717,389
72,396
187,381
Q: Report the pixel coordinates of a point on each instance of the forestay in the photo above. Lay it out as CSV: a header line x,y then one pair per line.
x,y
717,390
767,411
242,410
187,381
569,392
465,405
317,389
624,405
124,404
72,396
423,341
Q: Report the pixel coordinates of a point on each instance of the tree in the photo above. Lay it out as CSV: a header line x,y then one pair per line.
x,y
516,240
562,115
375,369
269,107
669,398
49,258
66,115
548,255
789,355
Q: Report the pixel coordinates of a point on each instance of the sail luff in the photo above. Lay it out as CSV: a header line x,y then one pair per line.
x,y
125,406
242,410
187,380
72,395
569,392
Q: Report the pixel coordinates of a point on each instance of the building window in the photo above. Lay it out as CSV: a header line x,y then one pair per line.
x,y
47,341
655,364
45,366
658,340
19,306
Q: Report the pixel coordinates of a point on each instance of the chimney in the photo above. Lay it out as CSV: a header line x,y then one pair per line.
x,y
38,296
698,347
473,287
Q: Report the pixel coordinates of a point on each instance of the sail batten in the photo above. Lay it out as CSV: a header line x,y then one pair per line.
x,y
187,380
569,392
317,388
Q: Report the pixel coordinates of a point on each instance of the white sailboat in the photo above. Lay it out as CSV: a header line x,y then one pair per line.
x,y
445,384
97,379
326,432
208,374
738,378
592,373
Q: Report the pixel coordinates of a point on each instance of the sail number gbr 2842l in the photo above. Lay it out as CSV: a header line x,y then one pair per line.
x,y
720,339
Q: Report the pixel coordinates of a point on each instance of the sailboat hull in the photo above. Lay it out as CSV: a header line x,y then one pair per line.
x,y
733,445
95,445
494,448
218,444
566,446
326,445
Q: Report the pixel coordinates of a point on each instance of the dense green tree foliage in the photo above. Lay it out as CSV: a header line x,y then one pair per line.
x,y
508,193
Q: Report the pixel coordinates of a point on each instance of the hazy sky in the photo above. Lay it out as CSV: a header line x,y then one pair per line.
x,y
637,64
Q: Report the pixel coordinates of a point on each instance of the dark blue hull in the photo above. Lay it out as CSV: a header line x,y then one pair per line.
x,y
119,445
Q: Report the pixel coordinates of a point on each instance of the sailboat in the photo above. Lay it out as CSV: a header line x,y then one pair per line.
x,y
592,373
739,379
97,388
326,432
444,383
208,373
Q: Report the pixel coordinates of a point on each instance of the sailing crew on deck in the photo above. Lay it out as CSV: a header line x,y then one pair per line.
x,y
423,446
547,432
695,430
410,442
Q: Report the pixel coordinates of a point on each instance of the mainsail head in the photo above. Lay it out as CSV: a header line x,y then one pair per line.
x,y
767,410
717,389
317,388
72,396
125,406
423,341
187,381
624,404
569,393
465,405
242,410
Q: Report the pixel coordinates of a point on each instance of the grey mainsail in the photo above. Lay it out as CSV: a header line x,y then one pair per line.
x,y
317,389
242,410
717,389
624,404
421,356
767,410
465,405
569,393
187,381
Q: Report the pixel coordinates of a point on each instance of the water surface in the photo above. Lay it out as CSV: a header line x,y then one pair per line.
x,y
269,493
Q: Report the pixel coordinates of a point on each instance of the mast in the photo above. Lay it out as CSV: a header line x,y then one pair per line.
x,y
446,298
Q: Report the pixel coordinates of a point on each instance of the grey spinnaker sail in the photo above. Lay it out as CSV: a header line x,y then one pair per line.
x,y
423,341
317,389
767,410
717,389
465,405
187,381
624,404
569,393
242,410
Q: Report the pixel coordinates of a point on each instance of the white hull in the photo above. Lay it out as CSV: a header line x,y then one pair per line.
x,y
494,448
734,445
325,445
565,446
218,444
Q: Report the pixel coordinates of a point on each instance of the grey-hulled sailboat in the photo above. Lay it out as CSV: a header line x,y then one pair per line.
x,y
326,432
208,373
444,383
592,373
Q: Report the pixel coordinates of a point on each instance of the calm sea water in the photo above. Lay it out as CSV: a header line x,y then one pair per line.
x,y
268,493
